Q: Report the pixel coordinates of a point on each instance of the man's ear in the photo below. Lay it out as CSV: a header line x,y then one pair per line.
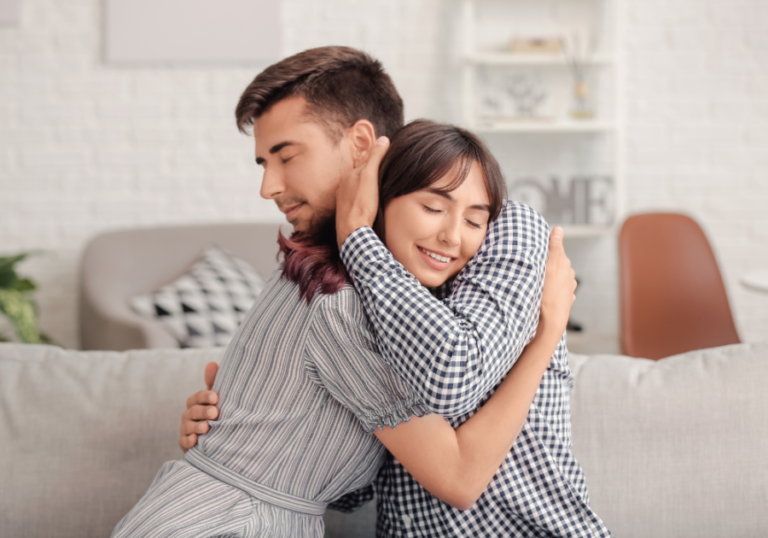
x,y
362,137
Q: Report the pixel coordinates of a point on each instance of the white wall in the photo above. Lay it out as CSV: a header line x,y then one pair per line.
x,y
697,129
85,147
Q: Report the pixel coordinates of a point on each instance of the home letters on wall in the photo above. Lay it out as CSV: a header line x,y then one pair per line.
x,y
579,200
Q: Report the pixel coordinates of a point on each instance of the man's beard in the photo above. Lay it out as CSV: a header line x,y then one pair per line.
x,y
320,231
321,221
311,258
317,220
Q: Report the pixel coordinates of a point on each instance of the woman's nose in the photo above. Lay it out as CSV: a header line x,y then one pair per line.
x,y
451,232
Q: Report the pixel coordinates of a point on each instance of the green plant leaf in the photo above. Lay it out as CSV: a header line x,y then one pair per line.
x,y
8,275
23,285
8,278
7,262
16,302
45,339
22,313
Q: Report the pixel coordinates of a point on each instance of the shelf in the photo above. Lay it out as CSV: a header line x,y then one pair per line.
x,y
484,61
507,58
545,127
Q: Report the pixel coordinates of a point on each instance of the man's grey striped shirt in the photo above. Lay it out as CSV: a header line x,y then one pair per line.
x,y
301,388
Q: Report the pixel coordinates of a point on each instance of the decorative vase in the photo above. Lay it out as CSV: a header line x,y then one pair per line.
x,y
581,108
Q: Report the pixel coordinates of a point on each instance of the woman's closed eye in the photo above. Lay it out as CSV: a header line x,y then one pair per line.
x,y
433,210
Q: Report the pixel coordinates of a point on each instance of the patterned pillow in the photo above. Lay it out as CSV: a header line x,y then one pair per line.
x,y
204,306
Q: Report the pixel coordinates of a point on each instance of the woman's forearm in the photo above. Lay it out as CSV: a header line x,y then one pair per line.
x,y
457,465
486,438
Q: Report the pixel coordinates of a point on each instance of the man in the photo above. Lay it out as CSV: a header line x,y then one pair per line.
x,y
453,348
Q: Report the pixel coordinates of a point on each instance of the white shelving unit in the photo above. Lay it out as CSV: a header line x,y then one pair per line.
x,y
506,58
502,126
568,134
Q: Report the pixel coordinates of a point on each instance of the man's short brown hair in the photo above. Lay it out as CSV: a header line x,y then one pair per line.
x,y
341,85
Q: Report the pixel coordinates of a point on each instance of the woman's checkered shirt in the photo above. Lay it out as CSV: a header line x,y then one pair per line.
x,y
453,346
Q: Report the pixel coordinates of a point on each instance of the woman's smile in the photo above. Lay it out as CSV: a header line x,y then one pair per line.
x,y
436,260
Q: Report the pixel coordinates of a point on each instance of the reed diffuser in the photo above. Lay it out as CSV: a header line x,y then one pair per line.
x,y
576,54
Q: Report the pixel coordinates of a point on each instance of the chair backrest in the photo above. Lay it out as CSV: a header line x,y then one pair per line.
x,y
118,265
672,295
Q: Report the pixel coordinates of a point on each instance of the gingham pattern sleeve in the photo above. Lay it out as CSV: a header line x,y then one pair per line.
x,y
454,351
354,500
342,355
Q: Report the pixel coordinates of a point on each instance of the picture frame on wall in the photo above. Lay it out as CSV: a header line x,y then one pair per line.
x,y
10,12
166,32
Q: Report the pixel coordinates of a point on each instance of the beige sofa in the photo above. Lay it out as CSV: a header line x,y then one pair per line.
x,y
119,265
675,448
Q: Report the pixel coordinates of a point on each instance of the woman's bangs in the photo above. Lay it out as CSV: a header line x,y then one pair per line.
x,y
451,176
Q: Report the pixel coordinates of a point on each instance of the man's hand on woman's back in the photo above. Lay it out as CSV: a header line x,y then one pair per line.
x,y
201,407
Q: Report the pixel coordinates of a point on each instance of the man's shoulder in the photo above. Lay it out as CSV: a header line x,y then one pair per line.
x,y
342,317
344,303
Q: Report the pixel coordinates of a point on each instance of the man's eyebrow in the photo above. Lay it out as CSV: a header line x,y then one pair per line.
x,y
277,147
447,196
274,149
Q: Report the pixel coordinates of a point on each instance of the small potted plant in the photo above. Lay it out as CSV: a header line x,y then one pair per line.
x,y
17,304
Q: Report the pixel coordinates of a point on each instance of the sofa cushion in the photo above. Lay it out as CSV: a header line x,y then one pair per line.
x,y
84,433
676,447
204,306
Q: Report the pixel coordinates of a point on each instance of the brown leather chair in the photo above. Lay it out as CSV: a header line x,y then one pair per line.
x,y
672,295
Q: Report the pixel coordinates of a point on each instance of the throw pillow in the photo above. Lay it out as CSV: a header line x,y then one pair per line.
x,y
204,306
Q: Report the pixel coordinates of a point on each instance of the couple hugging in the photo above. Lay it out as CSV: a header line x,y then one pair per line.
x,y
411,341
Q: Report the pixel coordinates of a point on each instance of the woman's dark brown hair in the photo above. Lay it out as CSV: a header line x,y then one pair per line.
x,y
423,152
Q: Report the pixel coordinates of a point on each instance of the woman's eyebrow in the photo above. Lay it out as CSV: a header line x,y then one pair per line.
x,y
447,196
444,194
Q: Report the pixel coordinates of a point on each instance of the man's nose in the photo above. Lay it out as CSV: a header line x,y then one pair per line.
x,y
450,234
272,184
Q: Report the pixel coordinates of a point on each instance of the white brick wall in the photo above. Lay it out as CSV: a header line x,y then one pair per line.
x,y
697,118
86,147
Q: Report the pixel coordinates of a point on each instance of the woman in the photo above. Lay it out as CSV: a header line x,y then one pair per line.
x,y
301,392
